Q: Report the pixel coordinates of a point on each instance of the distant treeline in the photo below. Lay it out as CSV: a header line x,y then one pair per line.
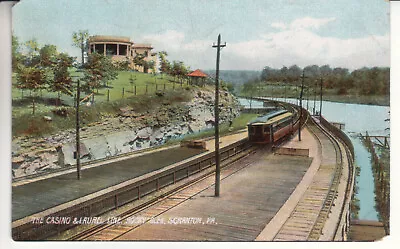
x,y
236,77
364,81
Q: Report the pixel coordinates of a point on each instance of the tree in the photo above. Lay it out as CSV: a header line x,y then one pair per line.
x,y
139,61
132,81
250,88
33,78
47,55
312,71
33,52
99,70
179,70
165,66
16,54
152,65
62,81
79,40
294,73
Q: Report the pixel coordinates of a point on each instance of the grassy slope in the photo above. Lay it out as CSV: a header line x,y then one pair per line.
x,y
45,100
24,121
238,123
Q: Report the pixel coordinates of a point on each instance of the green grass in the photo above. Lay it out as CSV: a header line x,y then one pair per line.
x,y
121,87
46,101
35,125
238,123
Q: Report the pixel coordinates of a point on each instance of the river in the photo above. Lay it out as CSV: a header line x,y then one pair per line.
x,y
357,119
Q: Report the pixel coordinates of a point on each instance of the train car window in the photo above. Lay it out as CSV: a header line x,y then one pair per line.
x,y
266,129
251,130
284,122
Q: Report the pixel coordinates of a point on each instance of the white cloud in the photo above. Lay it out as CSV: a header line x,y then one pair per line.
x,y
195,53
295,43
303,47
278,25
310,23
170,39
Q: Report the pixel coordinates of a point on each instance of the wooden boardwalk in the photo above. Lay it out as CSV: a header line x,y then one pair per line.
x,y
239,214
304,222
365,230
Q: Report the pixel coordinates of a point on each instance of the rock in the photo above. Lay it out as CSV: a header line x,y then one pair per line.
x,y
18,159
144,133
47,118
150,128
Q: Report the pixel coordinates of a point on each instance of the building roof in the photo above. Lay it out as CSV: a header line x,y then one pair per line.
x,y
104,38
142,45
197,73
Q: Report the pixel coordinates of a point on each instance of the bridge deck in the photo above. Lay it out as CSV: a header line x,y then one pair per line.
x,y
34,196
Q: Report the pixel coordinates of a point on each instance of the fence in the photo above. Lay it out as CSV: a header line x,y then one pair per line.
x,y
338,133
381,174
116,196
147,89
343,227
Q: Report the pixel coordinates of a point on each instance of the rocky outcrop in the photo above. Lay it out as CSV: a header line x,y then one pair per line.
x,y
129,130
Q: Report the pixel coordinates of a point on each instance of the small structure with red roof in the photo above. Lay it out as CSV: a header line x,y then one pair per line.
x,y
197,77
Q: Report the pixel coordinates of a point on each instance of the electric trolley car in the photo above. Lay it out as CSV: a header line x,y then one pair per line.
x,y
272,127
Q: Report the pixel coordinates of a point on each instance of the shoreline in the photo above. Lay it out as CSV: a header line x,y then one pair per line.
x,y
346,99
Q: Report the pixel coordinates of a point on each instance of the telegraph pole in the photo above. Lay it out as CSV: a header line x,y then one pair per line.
x,y
307,96
320,105
216,122
78,153
315,95
301,104
285,92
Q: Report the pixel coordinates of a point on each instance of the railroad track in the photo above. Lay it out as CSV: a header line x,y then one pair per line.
x,y
172,199
309,216
155,208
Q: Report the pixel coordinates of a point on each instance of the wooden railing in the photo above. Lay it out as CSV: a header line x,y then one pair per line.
x,y
116,196
343,226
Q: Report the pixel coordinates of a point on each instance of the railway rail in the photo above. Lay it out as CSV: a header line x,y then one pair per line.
x,y
307,221
115,231
201,178
151,212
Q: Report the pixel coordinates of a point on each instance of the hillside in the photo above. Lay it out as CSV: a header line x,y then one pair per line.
x,y
237,77
121,127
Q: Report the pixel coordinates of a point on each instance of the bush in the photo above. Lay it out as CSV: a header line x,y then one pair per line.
x,y
342,91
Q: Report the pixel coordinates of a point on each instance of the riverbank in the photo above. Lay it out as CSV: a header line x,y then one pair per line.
x,y
379,100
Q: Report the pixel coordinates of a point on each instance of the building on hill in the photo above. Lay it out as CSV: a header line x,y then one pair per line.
x,y
197,77
122,49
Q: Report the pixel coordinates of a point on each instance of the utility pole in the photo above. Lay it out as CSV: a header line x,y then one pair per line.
x,y
78,153
315,95
216,122
320,105
307,96
285,93
301,104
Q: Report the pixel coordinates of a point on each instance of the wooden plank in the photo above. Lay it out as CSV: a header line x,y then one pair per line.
x,y
243,208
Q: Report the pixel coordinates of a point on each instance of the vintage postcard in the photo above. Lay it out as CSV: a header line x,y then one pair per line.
x,y
250,120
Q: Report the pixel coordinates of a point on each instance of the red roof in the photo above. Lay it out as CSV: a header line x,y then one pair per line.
x,y
197,73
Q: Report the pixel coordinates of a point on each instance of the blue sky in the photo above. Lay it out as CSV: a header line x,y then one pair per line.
x,y
258,32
